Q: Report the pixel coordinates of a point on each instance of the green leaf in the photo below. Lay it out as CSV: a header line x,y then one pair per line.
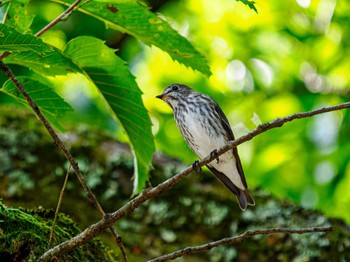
x,y
49,63
118,87
49,102
31,52
18,15
250,4
132,17
12,40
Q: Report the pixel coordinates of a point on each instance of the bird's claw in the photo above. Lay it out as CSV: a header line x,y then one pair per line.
x,y
214,154
196,168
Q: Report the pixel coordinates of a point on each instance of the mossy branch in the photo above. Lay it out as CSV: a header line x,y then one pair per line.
x,y
150,193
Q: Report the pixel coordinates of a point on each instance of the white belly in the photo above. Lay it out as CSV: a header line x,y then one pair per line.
x,y
203,142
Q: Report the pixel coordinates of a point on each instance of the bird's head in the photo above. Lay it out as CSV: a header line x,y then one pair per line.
x,y
175,93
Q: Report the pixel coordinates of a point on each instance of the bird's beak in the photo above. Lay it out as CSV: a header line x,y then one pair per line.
x,y
160,96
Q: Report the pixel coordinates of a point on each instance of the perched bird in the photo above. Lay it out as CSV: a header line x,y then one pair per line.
x,y
205,129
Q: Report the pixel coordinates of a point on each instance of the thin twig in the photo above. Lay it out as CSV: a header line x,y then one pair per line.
x,y
58,19
110,219
58,205
238,239
65,151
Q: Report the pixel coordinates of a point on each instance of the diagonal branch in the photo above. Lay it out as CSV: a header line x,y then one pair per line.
x,y
149,193
58,19
238,239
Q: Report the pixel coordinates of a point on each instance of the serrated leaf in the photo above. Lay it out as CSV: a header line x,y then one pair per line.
x,y
19,15
250,4
50,103
31,52
12,40
118,87
49,63
132,17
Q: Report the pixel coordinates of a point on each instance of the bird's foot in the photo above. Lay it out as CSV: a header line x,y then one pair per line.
x,y
214,154
196,168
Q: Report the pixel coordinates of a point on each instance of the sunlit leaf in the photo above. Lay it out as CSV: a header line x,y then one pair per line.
x,y
50,63
12,40
135,19
115,82
49,102
31,52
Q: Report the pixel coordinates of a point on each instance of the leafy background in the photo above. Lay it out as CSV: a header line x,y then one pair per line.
x,y
292,56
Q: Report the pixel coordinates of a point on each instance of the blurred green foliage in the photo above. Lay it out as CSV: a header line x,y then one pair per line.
x,y
292,56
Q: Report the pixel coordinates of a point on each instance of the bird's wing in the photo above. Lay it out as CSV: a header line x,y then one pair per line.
x,y
225,124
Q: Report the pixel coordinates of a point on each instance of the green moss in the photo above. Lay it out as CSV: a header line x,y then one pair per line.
x,y
24,235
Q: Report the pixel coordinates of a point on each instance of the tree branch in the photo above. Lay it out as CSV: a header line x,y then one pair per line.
x,y
238,239
149,193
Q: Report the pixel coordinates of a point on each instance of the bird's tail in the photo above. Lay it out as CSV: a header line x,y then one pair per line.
x,y
242,195
244,199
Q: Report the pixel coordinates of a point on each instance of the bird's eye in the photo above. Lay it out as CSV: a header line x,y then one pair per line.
x,y
175,87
